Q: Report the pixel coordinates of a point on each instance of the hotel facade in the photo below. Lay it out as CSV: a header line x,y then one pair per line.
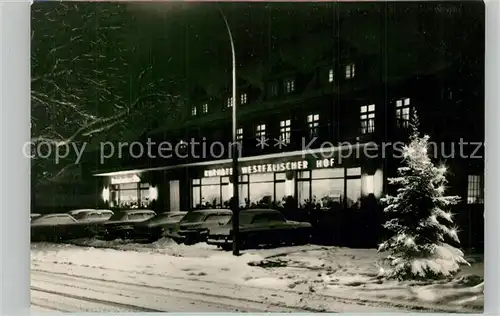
x,y
324,139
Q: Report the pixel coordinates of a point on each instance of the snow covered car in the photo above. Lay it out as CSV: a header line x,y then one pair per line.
x,y
34,215
58,227
77,211
155,227
93,215
195,226
262,227
121,224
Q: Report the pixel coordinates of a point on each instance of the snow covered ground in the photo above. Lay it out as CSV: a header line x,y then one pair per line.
x,y
302,278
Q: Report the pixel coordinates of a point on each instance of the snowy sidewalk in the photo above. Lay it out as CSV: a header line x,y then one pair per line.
x,y
316,274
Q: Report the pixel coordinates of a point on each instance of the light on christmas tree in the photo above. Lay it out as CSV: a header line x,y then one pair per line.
x,y
448,216
410,242
433,219
442,169
440,189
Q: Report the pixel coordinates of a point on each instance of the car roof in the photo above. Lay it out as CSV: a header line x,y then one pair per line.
x,y
81,210
103,211
211,211
136,211
253,212
260,210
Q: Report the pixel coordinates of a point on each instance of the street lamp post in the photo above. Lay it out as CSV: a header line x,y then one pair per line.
x,y
234,152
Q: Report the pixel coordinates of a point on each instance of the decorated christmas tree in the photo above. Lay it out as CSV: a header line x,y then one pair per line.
x,y
420,218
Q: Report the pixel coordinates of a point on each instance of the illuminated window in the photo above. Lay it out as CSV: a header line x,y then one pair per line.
x,y
403,113
330,75
239,134
313,124
350,71
193,110
261,131
367,119
229,102
475,190
289,85
285,131
205,108
243,98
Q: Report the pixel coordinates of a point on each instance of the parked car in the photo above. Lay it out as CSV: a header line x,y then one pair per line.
x,y
58,227
77,211
121,224
155,227
34,215
261,227
195,226
93,215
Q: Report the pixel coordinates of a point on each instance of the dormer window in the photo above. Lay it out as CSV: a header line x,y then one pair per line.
x,y
194,111
205,108
229,102
330,75
243,98
289,85
350,71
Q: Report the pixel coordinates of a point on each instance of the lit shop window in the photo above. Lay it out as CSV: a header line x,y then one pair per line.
x,y
261,131
350,71
313,124
367,119
329,188
205,108
285,131
229,102
193,111
243,98
330,75
289,85
403,113
475,190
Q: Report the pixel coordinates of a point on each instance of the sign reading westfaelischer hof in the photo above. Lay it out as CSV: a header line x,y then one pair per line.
x,y
272,167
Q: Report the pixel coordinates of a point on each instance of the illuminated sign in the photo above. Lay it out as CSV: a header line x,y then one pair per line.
x,y
273,167
130,178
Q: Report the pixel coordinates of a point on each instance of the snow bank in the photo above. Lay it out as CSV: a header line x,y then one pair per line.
x,y
335,272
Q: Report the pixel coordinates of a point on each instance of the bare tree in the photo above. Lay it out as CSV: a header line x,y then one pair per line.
x,y
88,84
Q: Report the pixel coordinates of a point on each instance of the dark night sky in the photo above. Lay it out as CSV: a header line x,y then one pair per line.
x,y
193,39
189,40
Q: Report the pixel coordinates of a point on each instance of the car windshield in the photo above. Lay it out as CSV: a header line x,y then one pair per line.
x,y
245,218
118,216
167,217
193,217
80,215
218,218
259,217
54,219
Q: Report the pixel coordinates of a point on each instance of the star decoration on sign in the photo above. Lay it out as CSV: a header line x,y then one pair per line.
x,y
262,142
279,142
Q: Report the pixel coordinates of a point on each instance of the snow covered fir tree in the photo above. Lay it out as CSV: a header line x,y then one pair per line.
x,y
419,217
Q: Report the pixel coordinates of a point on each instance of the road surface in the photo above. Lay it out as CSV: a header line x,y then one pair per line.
x,y
65,293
